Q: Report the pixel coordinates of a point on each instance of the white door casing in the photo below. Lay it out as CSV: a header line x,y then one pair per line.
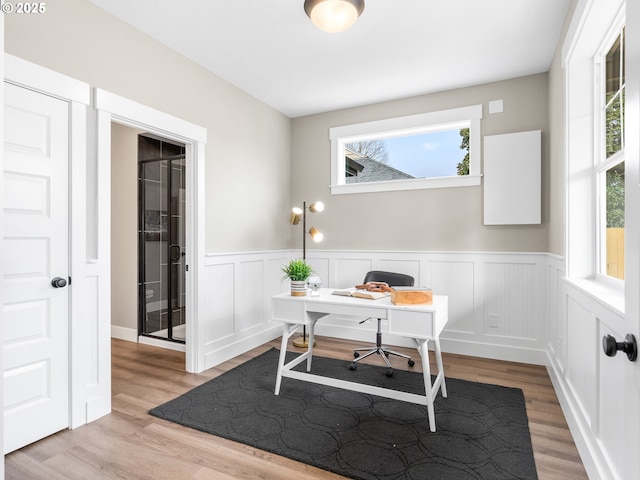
x,y
113,108
35,250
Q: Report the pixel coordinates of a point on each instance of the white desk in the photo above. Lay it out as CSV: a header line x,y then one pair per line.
x,y
421,323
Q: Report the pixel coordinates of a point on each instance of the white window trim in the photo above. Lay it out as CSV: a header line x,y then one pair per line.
x,y
340,136
601,163
581,59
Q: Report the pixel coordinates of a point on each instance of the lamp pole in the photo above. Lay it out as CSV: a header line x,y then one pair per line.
x,y
304,230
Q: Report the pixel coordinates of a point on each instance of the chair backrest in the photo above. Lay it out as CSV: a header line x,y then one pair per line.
x,y
390,278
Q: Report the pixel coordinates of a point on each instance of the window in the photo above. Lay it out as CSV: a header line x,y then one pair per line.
x,y
609,168
431,150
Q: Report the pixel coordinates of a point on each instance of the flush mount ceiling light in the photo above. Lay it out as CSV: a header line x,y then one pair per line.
x,y
333,15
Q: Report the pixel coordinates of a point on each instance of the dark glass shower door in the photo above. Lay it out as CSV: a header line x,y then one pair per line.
x,y
161,219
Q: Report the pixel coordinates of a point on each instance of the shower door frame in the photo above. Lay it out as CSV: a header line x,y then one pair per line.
x,y
142,257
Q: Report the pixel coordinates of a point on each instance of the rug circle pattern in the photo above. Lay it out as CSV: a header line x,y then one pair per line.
x,y
482,430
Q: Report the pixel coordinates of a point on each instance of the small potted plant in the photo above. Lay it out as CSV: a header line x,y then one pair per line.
x,y
297,271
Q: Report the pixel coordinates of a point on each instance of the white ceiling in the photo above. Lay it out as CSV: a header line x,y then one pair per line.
x,y
397,48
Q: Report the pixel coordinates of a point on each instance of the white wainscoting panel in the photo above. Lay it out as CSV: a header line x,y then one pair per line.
x,y
456,279
581,356
406,266
250,290
220,303
512,296
237,306
598,394
347,271
555,327
502,286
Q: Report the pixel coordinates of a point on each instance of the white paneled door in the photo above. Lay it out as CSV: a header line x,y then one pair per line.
x,y
35,255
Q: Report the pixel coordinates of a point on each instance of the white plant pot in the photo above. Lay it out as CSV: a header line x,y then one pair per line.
x,y
298,288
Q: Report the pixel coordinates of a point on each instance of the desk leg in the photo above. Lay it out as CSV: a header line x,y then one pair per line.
x,y
443,385
283,354
428,389
312,328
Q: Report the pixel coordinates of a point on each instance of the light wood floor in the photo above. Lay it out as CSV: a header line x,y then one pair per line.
x,y
131,444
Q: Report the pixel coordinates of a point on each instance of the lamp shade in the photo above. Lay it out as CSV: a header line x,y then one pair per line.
x,y
316,207
333,15
296,215
315,234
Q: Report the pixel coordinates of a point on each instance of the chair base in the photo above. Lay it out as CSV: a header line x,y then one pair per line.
x,y
384,352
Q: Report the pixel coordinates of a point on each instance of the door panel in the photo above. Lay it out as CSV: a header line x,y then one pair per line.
x,y
35,249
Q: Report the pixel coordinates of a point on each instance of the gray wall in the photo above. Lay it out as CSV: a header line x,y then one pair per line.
x,y
124,226
248,149
254,152
448,219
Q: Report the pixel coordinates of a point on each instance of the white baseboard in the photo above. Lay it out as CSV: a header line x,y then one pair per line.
x,y
588,447
228,351
494,351
359,333
131,335
124,333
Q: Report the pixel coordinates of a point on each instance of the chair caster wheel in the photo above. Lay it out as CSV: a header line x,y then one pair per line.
x,y
411,363
389,372
356,354
352,366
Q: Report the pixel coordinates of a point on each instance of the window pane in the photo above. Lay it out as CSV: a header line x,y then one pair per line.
x,y
614,125
614,97
613,68
615,221
426,155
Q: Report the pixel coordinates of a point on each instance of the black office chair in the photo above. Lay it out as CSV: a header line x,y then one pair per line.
x,y
393,280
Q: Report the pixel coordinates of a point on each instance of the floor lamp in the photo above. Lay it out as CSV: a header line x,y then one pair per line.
x,y
297,214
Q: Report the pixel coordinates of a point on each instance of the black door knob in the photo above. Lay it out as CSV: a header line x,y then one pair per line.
x,y
58,282
629,346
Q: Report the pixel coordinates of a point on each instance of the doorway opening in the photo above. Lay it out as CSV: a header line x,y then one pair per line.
x,y
161,238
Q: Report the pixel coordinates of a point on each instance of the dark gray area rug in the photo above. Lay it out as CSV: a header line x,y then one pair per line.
x,y
482,430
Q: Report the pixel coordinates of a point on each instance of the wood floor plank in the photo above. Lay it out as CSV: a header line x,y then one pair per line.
x,y
130,443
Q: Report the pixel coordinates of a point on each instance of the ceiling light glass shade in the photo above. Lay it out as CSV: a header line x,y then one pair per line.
x,y
296,215
315,234
333,15
316,207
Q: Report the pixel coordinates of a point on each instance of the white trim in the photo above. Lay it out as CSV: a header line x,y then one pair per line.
x,y
124,333
592,32
78,254
415,184
2,72
411,124
113,108
35,77
140,116
575,29
405,123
